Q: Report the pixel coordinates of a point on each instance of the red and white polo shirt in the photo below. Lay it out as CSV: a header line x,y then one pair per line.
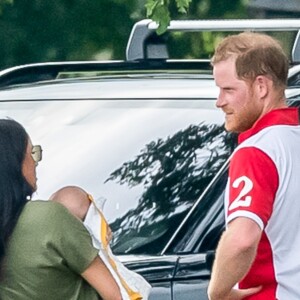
x,y
264,185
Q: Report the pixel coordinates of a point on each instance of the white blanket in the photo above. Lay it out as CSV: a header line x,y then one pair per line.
x,y
132,285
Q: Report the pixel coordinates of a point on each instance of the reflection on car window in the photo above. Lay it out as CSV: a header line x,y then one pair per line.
x,y
202,230
147,160
174,173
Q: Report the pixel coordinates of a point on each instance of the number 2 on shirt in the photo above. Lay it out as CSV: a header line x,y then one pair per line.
x,y
242,200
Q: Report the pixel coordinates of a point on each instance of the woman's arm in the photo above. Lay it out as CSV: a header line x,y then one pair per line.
x,y
99,277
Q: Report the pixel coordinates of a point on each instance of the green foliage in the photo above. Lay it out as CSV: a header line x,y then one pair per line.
x,y
36,31
194,45
4,2
183,5
158,11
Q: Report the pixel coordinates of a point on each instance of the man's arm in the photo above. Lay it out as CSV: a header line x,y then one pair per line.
x,y
99,277
234,256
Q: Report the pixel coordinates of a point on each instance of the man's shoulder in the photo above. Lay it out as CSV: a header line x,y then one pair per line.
x,y
270,137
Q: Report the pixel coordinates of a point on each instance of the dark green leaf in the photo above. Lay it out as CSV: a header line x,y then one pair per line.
x,y
183,5
161,15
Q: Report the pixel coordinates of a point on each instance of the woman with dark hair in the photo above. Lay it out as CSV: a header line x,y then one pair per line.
x,y
14,189
45,252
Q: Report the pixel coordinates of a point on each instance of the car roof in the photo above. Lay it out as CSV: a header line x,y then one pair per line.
x,y
58,70
125,87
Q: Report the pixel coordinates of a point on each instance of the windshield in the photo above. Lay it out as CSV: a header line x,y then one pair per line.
x,y
145,161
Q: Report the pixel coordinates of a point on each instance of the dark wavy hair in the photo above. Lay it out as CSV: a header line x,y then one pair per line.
x,y
14,189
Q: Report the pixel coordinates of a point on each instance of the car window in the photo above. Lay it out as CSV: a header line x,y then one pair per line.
x,y
202,230
145,161
293,97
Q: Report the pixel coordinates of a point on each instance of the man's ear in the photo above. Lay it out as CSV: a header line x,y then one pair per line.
x,y
262,85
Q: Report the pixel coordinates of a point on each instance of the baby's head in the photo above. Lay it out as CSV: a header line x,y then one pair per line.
x,y
74,198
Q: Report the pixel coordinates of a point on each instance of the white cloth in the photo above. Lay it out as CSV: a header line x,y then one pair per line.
x,y
132,285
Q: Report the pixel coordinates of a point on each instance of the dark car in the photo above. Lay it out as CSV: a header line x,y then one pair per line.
x,y
145,138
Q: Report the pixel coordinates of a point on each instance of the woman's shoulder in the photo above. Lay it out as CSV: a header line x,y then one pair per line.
x,y
42,205
45,209
48,216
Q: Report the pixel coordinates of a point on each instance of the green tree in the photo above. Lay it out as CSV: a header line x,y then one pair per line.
x,y
161,11
3,3
38,31
35,31
193,44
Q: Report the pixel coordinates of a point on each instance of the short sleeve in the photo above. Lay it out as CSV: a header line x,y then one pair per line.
x,y
69,240
252,185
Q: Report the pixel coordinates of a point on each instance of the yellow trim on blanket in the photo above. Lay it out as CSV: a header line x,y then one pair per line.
x,y
103,238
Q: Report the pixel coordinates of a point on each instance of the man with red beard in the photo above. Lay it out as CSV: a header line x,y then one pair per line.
x,y
258,255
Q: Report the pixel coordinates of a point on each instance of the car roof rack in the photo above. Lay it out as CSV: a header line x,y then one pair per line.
x,y
58,70
146,51
144,43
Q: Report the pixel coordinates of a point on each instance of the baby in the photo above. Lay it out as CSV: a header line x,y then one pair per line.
x,y
78,202
75,199
132,285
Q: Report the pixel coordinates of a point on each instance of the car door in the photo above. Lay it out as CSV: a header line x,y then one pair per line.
x,y
157,270
191,277
195,242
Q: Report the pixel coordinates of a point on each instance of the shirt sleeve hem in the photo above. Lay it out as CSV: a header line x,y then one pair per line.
x,y
246,214
88,263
